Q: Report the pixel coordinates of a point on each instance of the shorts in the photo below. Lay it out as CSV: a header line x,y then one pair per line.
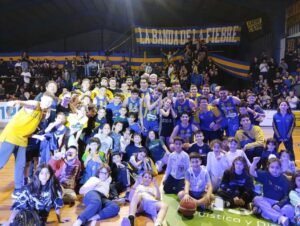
x,y
148,206
196,194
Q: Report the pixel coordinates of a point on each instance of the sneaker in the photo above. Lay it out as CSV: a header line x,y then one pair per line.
x,y
16,193
125,222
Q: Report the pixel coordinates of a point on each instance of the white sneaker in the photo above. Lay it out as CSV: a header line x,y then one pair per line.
x,y
284,221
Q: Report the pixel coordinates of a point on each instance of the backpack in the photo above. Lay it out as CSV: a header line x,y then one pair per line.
x,y
27,218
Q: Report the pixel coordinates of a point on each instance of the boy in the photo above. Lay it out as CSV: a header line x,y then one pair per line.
x,y
197,183
178,163
200,147
133,125
115,106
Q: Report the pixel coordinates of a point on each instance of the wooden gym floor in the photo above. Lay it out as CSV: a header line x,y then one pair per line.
x,y
7,186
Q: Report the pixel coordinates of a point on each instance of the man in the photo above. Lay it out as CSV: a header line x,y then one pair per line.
x,y
250,137
228,107
15,135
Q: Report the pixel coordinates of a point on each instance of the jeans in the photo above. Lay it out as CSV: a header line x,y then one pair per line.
x,y
6,149
97,204
267,212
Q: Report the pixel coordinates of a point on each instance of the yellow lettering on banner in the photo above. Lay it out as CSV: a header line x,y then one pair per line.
x,y
201,34
182,37
176,40
140,32
208,31
188,33
223,34
213,30
147,38
217,34
235,28
160,38
171,37
194,35
229,34
154,36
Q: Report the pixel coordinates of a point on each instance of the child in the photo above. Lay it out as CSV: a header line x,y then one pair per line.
x,y
271,149
97,204
42,194
237,185
115,106
197,183
100,120
133,125
274,204
106,141
283,125
92,159
101,100
147,199
167,119
122,117
178,163
294,196
233,152
67,171
158,150
120,174
133,102
287,166
134,147
141,163
116,136
200,147
125,140
216,164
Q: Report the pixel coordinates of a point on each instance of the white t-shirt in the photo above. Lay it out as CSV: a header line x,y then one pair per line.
x,y
26,76
198,182
216,167
231,156
106,142
178,163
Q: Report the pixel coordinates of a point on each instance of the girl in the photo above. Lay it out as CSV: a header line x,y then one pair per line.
x,y
287,166
146,198
158,150
271,149
295,197
233,152
42,194
237,185
283,125
167,118
216,163
92,159
125,140
106,141
97,204
273,205
141,163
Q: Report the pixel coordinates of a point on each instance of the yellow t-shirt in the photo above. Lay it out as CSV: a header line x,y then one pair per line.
x,y
21,127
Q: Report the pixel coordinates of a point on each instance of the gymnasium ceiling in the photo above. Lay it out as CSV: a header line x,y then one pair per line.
x,y
25,23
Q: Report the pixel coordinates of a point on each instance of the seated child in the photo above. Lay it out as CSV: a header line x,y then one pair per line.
x,y
146,199
197,183
158,150
178,163
140,163
287,166
271,149
67,171
236,187
274,204
294,196
200,147
92,159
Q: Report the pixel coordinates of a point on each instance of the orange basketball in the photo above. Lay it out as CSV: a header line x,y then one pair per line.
x,y
187,207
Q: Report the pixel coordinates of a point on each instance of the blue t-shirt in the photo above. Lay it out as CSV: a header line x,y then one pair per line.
x,y
276,188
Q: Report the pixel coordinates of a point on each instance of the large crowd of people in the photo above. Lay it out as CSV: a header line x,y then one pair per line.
x,y
106,134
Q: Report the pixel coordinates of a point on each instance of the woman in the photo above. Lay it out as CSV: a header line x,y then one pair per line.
x,y
283,125
97,204
42,194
